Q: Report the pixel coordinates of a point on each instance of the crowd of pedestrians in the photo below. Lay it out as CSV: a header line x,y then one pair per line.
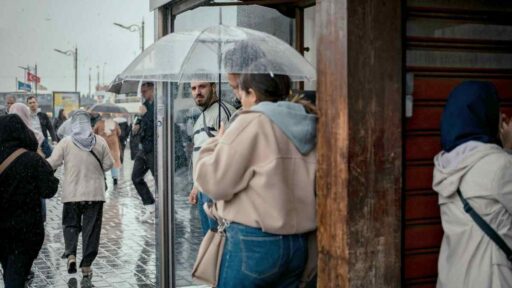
x,y
253,172
32,147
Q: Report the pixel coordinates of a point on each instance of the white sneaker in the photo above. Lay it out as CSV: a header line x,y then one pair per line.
x,y
149,214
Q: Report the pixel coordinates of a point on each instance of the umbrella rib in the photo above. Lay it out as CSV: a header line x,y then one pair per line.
x,y
189,54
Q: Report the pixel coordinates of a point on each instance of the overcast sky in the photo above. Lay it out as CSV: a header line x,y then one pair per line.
x,y
31,29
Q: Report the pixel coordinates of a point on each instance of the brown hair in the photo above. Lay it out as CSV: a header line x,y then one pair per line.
x,y
267,87
31,97
273,88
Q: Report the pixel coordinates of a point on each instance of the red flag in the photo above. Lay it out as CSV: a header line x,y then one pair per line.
x,y
33,78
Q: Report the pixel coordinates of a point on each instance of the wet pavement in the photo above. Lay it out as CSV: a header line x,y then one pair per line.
x,y
126,255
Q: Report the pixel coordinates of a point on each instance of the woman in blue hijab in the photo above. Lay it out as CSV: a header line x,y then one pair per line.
x,y
471,114
474,162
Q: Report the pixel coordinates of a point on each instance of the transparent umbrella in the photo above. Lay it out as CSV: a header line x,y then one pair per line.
x,y
209,55
219,50
162,60
215,51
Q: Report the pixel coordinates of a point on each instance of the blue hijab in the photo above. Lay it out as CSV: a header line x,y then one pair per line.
x,y
471,114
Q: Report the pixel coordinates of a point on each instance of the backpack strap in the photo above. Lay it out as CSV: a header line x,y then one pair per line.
x,y
11,158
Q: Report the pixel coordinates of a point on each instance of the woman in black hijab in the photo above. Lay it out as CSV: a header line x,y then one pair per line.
x,y
23,183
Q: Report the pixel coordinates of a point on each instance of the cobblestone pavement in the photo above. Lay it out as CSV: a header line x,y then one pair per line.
x,y
127,247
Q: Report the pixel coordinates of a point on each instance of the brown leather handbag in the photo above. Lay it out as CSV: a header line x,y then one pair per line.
x,y
207,267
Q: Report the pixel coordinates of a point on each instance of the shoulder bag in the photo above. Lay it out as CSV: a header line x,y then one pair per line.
x,y
207,266
11,158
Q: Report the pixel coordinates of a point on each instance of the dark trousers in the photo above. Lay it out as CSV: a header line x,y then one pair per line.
x,y
143,163
122,147
17,257
85,217
47,151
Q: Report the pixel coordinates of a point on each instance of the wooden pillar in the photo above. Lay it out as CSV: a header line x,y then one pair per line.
x,y
359,64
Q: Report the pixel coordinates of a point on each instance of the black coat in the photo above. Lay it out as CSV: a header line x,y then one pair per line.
x,y
46,126
57,122
28,179
147,122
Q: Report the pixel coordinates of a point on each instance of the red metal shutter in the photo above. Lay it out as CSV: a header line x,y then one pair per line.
x,y
445,45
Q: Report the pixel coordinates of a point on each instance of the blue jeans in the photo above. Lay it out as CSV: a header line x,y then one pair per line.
x,y
253,258
207,223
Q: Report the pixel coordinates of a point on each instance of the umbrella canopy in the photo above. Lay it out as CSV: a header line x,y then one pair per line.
x,y
107,108
210,54
123,87
162,60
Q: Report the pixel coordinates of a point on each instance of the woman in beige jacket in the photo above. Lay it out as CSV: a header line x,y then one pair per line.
x,y
261,173
474,163
86,157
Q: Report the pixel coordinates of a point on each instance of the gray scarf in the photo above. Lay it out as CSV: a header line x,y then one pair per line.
x,y
81,131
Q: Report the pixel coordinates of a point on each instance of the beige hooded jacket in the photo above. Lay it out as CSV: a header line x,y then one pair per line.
x,y
468,257
262,171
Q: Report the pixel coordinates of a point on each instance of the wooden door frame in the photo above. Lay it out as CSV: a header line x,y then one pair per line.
x,y
359,187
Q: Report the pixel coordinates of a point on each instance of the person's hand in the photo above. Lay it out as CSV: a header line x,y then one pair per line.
x,y
135,128
40,152
143,109
506,131
192,197
221,130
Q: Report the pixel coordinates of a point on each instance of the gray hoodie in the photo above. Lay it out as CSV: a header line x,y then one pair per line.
x,y
294,121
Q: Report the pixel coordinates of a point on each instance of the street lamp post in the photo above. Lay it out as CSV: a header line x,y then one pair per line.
x,y
89,95
75,61
133,28
103,77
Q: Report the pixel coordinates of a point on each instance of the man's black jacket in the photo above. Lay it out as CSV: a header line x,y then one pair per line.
x,y
147,123
46,126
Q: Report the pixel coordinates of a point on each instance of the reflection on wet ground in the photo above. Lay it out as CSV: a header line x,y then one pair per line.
x,y
127,249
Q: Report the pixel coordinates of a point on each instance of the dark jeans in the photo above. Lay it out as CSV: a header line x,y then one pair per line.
x,y
17,257
143,163
85,217
253,258
207,223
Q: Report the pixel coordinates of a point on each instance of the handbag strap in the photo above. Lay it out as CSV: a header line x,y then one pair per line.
x,y
95,156
486,228
11,158
97,159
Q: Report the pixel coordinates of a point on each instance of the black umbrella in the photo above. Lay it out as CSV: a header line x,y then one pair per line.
x,y
123,87
108,108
